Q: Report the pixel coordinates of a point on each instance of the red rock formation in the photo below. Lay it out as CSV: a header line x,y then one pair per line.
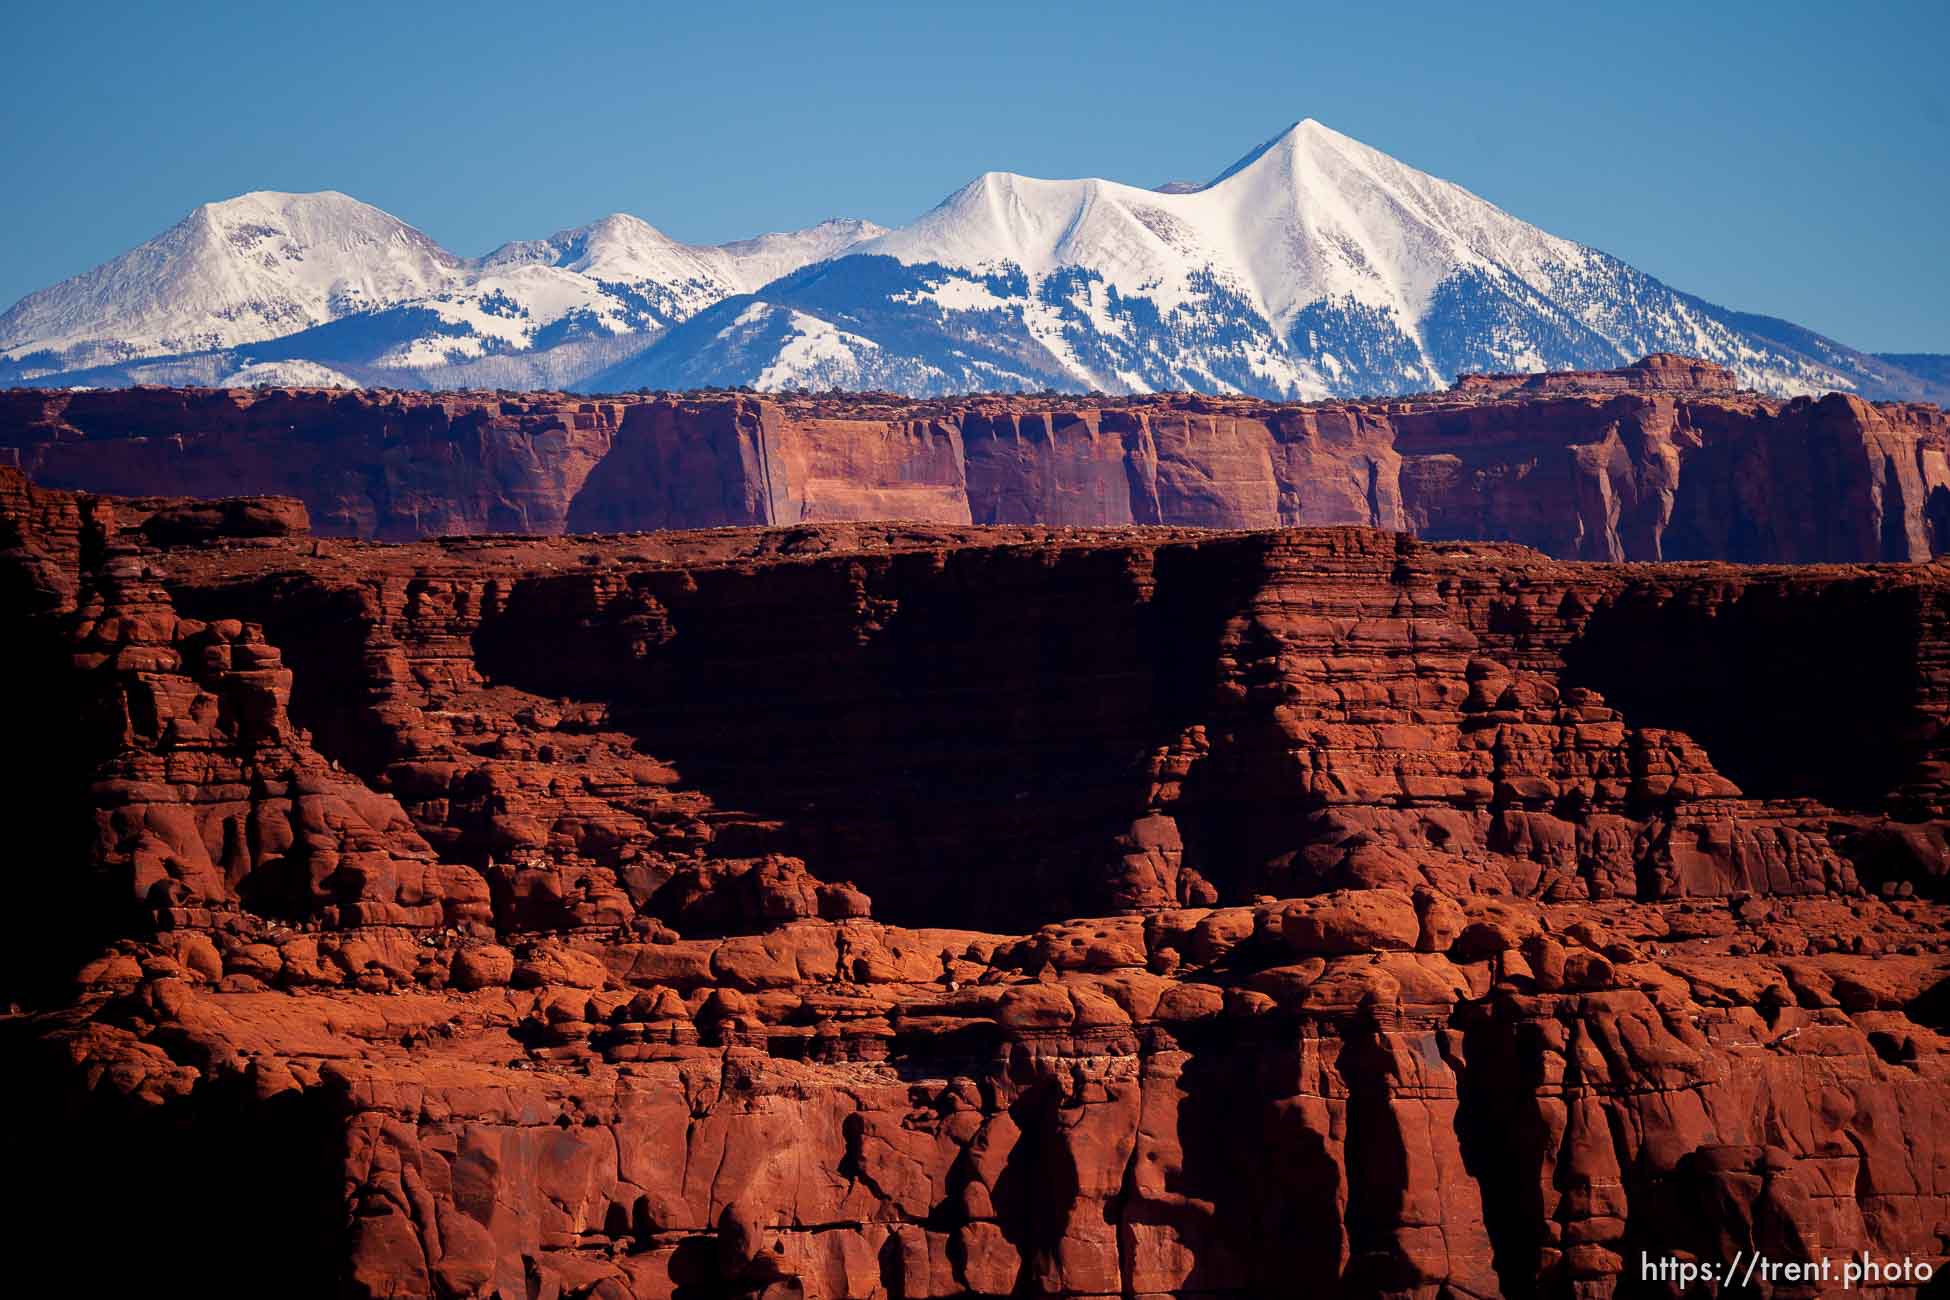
x,y
394,465
924,910
1660,460
1655,372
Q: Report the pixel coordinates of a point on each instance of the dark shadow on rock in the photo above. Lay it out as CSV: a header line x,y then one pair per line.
x,y
1255,1149
218,1194
961,734
1793,690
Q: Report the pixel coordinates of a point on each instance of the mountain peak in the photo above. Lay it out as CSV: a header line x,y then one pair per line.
x,y
1314,264
258,204
289,196
620,230
251,267
1299,138
626,224
325,222
269,199
747,264
849,223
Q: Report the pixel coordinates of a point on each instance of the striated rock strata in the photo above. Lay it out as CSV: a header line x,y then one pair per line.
x,y
867,910
1660,460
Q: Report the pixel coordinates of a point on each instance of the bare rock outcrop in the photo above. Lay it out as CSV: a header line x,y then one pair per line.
x,y
898,910
1661,460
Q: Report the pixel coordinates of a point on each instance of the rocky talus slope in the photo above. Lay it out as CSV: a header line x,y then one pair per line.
x,y
1660,460
925,910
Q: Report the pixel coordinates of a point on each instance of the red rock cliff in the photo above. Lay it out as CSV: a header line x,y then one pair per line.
x,y
866,910
1661,460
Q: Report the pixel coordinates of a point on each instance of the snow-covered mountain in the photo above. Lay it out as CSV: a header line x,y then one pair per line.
x,y
618,278
301,288
254,267
1314,266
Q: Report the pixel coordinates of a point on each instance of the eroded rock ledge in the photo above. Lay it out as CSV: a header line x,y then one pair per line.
x,y
1662,460
921,910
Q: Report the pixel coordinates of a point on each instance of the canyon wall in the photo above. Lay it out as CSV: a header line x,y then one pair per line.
x,y
1661,460
906,910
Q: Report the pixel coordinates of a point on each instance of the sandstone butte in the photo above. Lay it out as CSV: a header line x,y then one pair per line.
x,y
1662,460
923,910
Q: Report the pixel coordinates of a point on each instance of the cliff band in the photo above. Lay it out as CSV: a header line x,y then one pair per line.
x,y
919,909
1663,460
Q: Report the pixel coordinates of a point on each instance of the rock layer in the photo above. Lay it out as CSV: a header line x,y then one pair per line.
x,y
1661,460
867,910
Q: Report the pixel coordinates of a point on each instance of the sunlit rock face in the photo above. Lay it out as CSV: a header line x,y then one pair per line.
x,y
935,909
1663,459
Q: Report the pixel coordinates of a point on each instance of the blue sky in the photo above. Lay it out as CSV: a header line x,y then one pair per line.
x,y
1787,158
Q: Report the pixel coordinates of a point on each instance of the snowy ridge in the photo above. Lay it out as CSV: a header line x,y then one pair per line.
x,y
344,283
749,264
1314,266
286,374
253,267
